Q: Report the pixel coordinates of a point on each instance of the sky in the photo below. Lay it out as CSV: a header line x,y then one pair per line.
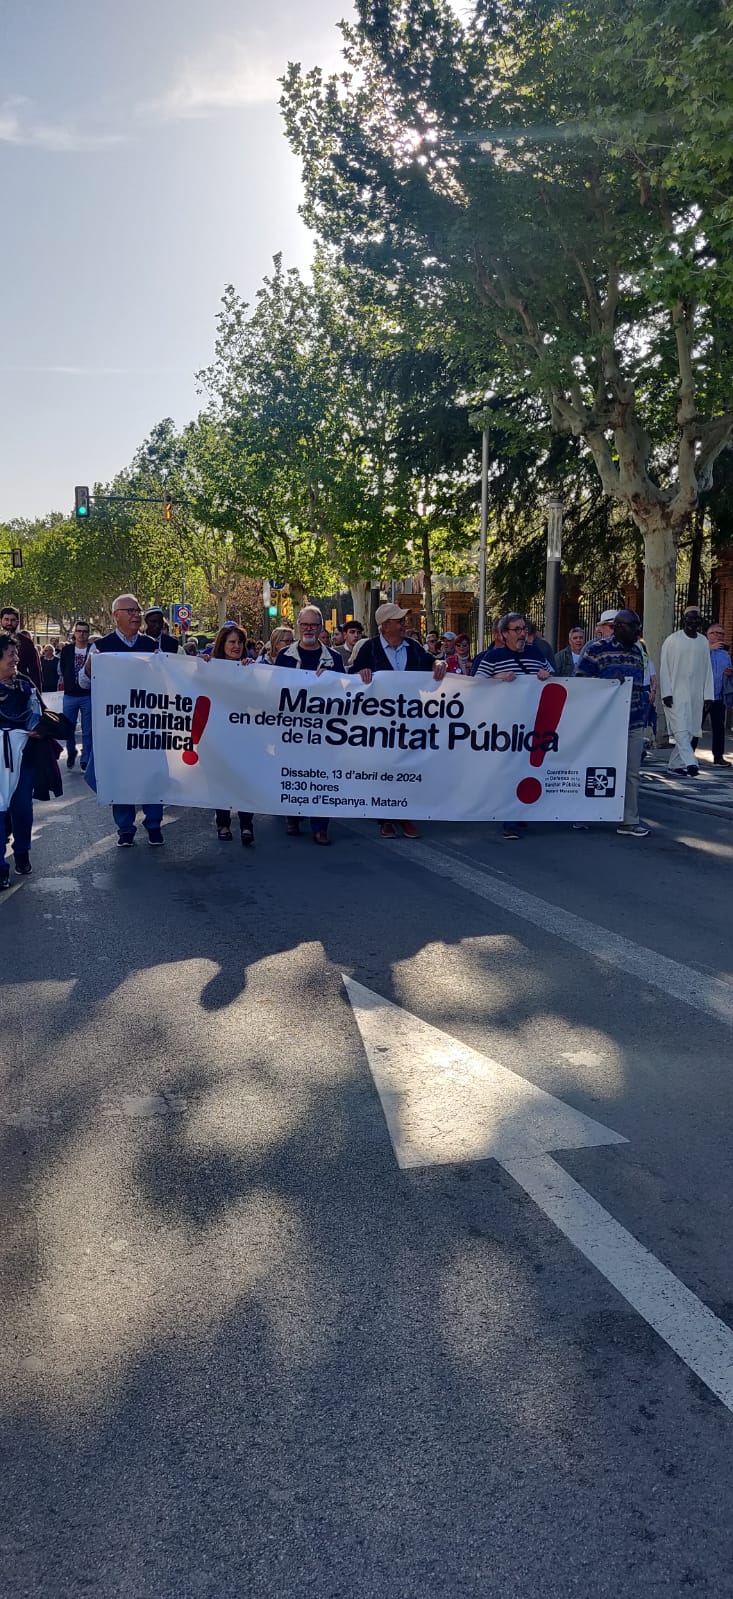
x,y
143,166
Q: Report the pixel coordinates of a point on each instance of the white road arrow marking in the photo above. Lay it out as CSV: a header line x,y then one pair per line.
x,y
445,1103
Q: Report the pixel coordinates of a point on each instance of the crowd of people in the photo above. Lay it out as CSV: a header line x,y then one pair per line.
x,y
695,681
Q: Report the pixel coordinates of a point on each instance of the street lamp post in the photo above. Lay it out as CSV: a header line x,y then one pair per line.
x,y
553,507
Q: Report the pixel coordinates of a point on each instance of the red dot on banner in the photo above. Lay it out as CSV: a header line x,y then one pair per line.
x,y
190,758
529,790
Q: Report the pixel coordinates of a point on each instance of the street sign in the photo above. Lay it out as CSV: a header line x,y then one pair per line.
x,y
182,616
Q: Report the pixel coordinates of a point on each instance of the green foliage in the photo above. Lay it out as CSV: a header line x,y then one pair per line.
x,y
529,175
339,426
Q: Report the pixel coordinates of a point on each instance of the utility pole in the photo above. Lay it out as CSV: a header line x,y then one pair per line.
x,y
484,535
554,509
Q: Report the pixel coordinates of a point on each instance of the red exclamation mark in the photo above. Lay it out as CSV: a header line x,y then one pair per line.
x,y
547,721
200,718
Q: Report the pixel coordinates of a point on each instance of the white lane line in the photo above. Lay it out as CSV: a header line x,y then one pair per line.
x,y
445,1103
692,1330
683,983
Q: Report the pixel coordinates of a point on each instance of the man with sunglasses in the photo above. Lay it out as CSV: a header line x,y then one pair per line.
x,y
126,638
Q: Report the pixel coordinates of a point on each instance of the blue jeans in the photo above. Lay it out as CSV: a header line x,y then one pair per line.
x,y
20,813
73,704
124,817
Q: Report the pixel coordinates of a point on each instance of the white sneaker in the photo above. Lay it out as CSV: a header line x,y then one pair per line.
x,y
633,830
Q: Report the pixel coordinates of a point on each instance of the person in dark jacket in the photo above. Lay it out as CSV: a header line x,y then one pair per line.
x,y
49,670
566,660
125,639
542,644
391,651
29,663
20,712
155,629
77,700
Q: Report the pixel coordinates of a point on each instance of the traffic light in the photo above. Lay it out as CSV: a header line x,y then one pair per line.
x,y
272,610
168,507
81,500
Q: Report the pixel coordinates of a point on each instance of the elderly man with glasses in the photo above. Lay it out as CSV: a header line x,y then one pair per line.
x,y
514,657
715,708
125,638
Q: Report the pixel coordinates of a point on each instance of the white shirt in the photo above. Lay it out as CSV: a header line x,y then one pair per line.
x,y
396,658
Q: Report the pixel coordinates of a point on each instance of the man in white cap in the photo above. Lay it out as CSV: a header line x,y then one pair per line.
x,y
391,651
687,682
154,629
605,624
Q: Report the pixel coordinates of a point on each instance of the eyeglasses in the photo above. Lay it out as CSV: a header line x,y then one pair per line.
x,y
128,610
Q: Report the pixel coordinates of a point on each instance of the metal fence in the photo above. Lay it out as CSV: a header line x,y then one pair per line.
x,y
706,597
590,604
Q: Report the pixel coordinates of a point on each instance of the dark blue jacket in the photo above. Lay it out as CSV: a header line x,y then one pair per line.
x,y
371,655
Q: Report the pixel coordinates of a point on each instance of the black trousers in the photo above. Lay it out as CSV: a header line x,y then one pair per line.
x,y
715,709
223,818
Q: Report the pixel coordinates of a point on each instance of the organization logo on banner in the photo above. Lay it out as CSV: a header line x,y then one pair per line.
x,y
600,782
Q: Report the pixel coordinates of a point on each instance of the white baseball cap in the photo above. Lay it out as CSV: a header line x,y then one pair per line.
x,y
607,616
389,613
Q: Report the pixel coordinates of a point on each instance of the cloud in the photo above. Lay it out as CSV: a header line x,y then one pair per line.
x,y
232,75
20,125
228,79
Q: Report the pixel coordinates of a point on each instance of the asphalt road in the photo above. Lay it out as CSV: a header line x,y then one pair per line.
x,y
243,1352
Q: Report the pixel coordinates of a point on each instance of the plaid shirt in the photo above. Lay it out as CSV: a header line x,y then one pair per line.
x,y
607,658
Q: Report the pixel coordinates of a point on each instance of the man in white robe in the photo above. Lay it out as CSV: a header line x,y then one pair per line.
x,y
687,682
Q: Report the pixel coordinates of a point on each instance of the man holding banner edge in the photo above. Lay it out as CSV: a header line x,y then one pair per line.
x,y
125,639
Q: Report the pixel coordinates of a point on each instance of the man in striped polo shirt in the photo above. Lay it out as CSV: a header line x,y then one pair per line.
x,y
514,657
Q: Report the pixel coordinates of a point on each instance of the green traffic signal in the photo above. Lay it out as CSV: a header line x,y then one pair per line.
x,y
81,500
272,610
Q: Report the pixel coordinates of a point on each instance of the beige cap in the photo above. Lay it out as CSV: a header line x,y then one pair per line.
x,y
389,613
607,616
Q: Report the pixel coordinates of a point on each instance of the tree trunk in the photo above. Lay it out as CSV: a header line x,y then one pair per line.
x,y
360,591
221,609
660,574
693,593
427,568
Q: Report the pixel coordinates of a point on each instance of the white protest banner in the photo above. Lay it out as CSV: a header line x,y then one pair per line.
x,y
279,742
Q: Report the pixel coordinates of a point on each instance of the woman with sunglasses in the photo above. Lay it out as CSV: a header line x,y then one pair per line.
x,y
230,644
